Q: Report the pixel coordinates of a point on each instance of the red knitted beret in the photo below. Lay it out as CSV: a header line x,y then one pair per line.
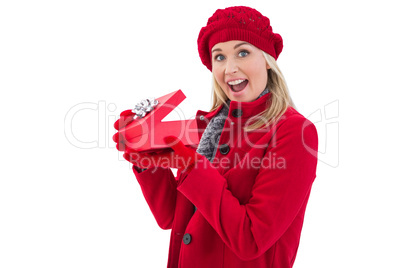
x,y
238,23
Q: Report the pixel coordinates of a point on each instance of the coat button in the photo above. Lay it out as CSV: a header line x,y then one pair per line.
x,y
202,117
237,113
224,149
187,239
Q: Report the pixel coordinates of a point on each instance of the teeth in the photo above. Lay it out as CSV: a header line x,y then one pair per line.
x,y
236,82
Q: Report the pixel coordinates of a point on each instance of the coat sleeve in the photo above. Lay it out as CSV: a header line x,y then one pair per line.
x,y
251,229
159,188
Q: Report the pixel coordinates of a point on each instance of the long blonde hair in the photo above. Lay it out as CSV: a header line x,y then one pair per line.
x,y
278,103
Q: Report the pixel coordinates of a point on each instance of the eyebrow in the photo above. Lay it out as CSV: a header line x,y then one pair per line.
x,y
236,46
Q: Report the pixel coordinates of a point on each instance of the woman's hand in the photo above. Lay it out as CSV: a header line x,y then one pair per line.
x,y
126,117
177,156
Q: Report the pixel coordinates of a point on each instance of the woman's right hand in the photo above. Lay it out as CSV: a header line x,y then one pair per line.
x,y
126,117
146,160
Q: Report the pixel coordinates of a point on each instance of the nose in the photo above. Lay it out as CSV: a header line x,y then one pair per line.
x,y
231,66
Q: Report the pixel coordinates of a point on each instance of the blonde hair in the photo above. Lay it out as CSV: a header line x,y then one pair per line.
x,y
277,104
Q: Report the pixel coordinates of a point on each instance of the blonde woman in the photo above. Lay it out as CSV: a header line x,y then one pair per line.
x,y
239,199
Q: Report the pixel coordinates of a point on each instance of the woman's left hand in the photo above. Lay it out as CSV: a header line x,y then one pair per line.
x,y
179,156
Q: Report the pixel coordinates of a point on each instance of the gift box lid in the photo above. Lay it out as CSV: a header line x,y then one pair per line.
x,y
147,133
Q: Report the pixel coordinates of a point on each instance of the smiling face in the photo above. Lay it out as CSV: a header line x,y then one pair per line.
x,y
240,70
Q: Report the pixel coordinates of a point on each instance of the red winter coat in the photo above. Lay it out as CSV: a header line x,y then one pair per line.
x,y
250,201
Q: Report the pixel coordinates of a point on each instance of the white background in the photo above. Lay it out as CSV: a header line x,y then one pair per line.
x,y
65,206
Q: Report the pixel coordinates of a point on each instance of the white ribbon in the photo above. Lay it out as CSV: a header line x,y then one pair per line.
x,y
144,107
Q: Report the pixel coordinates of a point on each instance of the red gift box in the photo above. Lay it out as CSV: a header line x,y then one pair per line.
x,y
147,133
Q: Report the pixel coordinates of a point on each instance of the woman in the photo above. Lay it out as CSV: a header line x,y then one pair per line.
x,y
239,200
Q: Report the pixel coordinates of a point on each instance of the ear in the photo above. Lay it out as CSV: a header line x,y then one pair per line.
x,y
268,67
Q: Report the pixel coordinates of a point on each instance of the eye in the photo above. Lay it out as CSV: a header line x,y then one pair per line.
x,y
243,53
219,57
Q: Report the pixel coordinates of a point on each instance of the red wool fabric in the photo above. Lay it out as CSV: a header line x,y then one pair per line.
x,y
238,23
250,201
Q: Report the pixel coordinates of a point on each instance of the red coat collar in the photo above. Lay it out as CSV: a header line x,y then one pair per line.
x,y
248,109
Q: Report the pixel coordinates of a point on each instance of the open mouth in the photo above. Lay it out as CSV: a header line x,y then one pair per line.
x,y
238,85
